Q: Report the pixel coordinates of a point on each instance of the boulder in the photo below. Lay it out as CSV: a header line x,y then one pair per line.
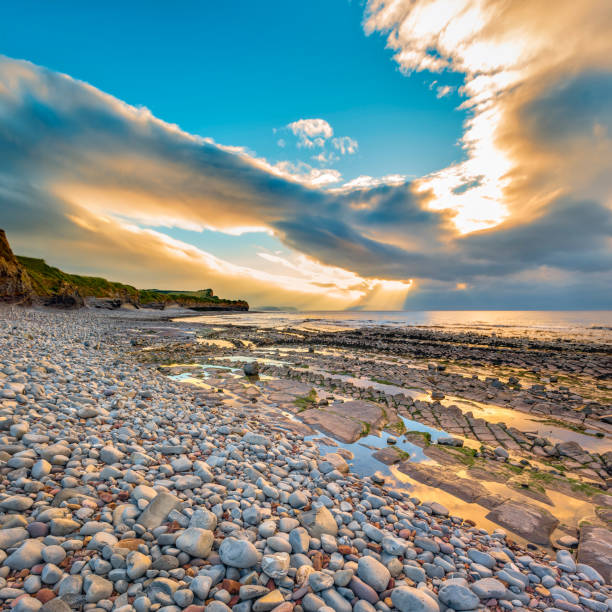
x,y
595,549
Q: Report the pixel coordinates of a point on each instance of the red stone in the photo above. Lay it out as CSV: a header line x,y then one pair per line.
x,y
45,595
231,586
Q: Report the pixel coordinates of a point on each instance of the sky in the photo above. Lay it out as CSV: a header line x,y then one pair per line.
x,y
423,154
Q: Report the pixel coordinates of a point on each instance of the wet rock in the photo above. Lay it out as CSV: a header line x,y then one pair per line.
x,y
251,368
533,523
337,426
595,549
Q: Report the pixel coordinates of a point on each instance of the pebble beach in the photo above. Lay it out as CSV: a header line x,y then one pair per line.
x,y
124,489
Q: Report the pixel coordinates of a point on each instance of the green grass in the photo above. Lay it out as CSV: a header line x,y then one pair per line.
x,y
381,381
467,456
542,477
404,456
583,487
306,402
424,434
398,427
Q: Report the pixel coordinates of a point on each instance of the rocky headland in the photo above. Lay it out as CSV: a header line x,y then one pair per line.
x,y
27,280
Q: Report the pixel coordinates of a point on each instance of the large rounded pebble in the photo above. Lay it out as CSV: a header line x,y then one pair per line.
x,y
408,599
374,573
238,553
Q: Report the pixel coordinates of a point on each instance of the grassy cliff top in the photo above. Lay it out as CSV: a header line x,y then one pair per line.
x,y
48,280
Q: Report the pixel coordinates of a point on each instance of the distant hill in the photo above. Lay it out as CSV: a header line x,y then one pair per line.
x,y
49,282
27,280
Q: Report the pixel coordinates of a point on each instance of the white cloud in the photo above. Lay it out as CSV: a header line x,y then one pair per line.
x,y
318,133
311,132
325,157
304,173
367,182
444,90
345,144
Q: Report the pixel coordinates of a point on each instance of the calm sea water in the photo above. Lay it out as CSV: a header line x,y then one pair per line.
x,y
594,324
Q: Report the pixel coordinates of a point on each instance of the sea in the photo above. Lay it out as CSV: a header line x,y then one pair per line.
x,y
594,325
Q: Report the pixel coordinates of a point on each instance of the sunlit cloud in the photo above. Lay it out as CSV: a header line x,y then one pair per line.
x,y
512,54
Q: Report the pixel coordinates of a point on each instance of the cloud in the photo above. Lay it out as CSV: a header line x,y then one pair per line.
x,y
85,178
518,59
444,90
311,132
346,145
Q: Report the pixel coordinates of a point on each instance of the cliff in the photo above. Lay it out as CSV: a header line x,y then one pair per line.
x,y
27,279
15,285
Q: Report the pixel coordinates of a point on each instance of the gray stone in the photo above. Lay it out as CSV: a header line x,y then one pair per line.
x,y
26,556
408,599
16,503
319,521
238,553
201,585
488,588
374,573
137,564
276,565
12,536
458,597
204,519
96,588
299,540
158,509
196,542
110,455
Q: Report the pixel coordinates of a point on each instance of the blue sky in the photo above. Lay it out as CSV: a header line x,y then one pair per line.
x,y
235,71
330,154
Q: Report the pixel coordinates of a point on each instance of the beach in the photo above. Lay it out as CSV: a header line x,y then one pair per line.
x,y
157,461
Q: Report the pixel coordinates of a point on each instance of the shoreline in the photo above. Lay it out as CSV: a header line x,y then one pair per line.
x,y
103,453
